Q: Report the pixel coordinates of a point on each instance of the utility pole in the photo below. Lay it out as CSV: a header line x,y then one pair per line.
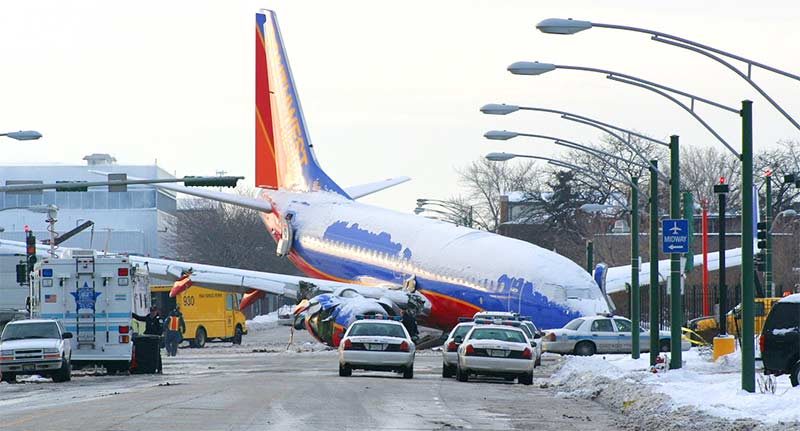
x,y
589,256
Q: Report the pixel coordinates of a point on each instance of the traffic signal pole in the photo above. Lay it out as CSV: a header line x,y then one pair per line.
x,y
676,314
655,306
768,220
748,330
635,301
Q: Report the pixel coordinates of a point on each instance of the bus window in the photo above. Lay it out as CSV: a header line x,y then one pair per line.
x,y
229,301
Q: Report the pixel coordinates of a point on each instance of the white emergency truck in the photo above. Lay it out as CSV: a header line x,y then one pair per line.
x,y
92,295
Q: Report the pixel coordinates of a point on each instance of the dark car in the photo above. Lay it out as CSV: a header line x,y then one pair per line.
x,y
780,339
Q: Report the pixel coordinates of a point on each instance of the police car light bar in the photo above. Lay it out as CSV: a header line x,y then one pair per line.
x,y
378,317
464,319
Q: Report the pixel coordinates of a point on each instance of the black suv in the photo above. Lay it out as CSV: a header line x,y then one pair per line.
x,y
780,339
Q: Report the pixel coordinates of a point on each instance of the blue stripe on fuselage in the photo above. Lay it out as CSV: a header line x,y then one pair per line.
x,y
543,312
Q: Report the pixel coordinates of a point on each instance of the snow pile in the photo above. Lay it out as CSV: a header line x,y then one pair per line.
x,y
684,397
262,322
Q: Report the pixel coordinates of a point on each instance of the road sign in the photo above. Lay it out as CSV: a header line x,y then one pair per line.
x,y
675,236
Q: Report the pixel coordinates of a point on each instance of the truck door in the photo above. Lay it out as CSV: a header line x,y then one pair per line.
x,y
229,323
86,303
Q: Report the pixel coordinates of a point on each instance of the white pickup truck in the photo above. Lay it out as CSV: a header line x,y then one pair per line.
x,y
39,346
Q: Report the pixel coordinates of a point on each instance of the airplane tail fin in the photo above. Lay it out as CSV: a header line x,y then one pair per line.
x,y
284,155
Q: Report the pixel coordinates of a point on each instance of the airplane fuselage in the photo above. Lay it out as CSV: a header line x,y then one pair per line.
x,y
459,270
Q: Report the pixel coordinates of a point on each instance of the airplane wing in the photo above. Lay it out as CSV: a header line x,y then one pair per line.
x,y
618,276
361,190
228,198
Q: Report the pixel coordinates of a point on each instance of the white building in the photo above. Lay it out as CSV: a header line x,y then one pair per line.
x,y
136,221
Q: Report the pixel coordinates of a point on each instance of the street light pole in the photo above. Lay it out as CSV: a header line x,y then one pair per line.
x,y
655,301
674,258
748,330
635,301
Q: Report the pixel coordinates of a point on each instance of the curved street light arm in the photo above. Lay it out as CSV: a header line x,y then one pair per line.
x,y
736,71
612,74
576,146
567,165
593,151
658,34
565,114
686,108
627,143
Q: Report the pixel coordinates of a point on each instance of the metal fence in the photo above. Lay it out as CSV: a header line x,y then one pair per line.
x,y
692,300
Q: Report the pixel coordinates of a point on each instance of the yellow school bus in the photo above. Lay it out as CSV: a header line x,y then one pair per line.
x,y
209,314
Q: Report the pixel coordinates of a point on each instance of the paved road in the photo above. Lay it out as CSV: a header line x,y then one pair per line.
x,y
227,388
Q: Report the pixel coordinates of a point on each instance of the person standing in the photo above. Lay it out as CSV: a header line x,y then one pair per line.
x,y
152,321
174,328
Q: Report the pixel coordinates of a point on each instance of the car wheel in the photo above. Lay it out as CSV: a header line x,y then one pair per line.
x,y
585,348
9,378
664,346
447,371
345,370
408,372
794,375
461,375
200,338
525,379
64,374
237,337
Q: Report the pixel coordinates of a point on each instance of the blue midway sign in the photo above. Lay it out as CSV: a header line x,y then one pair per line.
x,y
675,236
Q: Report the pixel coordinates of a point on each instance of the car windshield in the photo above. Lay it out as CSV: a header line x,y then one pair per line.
x,y
497,334
461,331
574,324
377,330
30,330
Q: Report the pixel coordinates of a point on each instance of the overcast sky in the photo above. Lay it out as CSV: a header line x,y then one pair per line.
x,y
388,89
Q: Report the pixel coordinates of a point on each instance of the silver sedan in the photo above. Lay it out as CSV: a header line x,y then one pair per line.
x,y
586,336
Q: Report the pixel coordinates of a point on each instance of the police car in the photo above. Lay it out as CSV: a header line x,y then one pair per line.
x,y
496,350
377,343
530,328
450,348
603,333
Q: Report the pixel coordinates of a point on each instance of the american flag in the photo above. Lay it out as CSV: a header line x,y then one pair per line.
x,y
51,298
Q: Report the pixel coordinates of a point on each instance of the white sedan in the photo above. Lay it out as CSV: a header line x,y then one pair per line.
x,y
450,348
496,350
377,345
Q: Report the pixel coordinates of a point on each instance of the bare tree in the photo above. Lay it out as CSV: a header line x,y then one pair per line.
x,y
485,181
703,167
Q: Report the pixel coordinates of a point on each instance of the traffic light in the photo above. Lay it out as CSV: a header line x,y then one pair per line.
x,y
762,234
192,181
22,273
71,186
761,261
761,257
30,249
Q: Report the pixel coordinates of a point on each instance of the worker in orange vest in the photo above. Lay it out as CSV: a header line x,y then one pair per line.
x,y
174,327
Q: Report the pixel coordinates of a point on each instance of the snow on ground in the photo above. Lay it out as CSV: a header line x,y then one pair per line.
x,y
701,385
263,321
